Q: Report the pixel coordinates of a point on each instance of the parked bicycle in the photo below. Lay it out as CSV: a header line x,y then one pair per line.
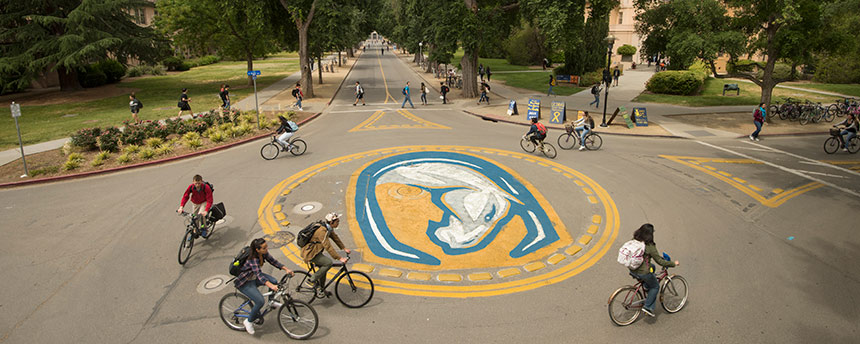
x,y
570,138
353,289
192,231
272,149
625,304
834,142
842,106
296,318
546,148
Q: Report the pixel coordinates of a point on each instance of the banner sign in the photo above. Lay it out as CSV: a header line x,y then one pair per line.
x,y
557,113
641,117
534,109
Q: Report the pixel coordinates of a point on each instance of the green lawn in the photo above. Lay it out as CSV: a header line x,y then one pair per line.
x,y
536,81
159,95
712,95
496,65
847,89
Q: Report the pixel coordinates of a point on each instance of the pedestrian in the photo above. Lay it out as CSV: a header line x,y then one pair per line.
x,y
135,106
595,91
183,103
382,51
488,73
225,97
444,90
423,94
551,84
484,88
545,63
406,97
481,71
297,93
615,74
359,94
759,115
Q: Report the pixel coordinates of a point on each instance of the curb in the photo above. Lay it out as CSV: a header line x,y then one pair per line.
x,y
790,134
344,77
500,119
144,164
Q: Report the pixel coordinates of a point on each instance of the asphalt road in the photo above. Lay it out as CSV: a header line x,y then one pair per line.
x,y
767,237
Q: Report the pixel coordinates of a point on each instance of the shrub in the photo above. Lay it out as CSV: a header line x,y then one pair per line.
x,y
108,141
197,126
163,150
682,82
91,76
216,136
194,143
524,48
74,161
206,60
133,134
591,78
135,71
44,170
124,158
103,155
626,50
75,157
242,129
86,138
112,69
146,153
229,132
838,70
175,63
97,161
248,118
177,126
191,135
154,142
226,126
154,129
131,149
266,123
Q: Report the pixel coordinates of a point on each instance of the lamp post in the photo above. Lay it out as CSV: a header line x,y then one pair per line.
x,y
607,79
420,55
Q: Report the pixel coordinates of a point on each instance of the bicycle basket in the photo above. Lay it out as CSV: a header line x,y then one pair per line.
x,y
568,127
835,132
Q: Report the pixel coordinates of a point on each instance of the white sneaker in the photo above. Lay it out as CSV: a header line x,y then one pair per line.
x,y
582,148
752,138
757,139
300,109
248,326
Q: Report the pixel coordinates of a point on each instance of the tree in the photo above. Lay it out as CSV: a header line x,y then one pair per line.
x,y
236,29
302,14
478,24
562,22
65,35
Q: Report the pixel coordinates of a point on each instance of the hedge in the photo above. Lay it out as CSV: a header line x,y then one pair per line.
x,y
626,50
679,82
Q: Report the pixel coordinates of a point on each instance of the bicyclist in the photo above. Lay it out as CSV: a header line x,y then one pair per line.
x,y
286,130
582,127
537,132
850,130
313,251
250,277
199,192
645,234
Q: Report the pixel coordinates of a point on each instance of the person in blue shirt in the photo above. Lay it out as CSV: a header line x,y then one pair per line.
x,y
406,97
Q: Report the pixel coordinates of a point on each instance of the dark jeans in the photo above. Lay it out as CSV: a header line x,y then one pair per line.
x,y
250,290
596,100
424,98
757,128
653,287
444,98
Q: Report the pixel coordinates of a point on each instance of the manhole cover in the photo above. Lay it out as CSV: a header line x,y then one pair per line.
x,y
212,284
307,208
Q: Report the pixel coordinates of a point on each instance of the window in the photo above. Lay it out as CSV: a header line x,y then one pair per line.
x,y
620,17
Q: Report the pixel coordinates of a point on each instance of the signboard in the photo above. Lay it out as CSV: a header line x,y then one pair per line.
x,y
571,79
512,108
557,113
534,109
626,117
640,116
253,74
16,110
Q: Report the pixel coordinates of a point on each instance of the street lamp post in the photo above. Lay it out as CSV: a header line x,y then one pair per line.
x,y
607,79
420,54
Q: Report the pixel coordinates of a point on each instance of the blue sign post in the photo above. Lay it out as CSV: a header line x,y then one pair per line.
x,y
557,113
534,109
641,117
253,74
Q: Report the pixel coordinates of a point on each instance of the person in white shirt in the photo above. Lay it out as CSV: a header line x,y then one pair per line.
x,y
582,127
359,94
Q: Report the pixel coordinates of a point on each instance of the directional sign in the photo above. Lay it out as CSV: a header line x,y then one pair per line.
x,y
16,110
253,72
641,117
534,109
557,113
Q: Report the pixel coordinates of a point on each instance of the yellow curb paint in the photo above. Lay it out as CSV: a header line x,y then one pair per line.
x,y
739,180
584,240
449,277
777,191
286,192
529,160
756,188
534,266
390,273
725,173
592,199
543,165
418,276
709,167
578,183
285,223
587,191
509,272
572,250
556,170
363,268
592,229
280,216
568,175
277,208
480,276
596,219
554,259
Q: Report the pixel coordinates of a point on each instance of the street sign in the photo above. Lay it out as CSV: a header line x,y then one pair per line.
x,y
16,110
253,72
557,113
512,108
641,117
534,109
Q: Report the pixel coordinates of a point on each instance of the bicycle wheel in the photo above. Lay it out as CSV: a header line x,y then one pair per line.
x,y
270,151
833,110
299,147
854,145
625,305
831,145
673,295
234,309
354,289
527,145
783,112
773,109
185,246
300,287
817,115
805,117
549,150
593,142
298,319
567,141
829,116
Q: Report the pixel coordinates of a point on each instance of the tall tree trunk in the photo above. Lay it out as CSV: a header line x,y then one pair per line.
x,y
319,67
470,79
338,59
767,80
350,53
307,78
68,79
250,58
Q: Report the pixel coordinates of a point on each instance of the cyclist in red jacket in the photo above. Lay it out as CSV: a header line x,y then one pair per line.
x,y
199,192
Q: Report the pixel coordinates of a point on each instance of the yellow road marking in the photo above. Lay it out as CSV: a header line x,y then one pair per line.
x,y
390,273
450,278
418,276
480,276
573,250
739,180
777,191
387,95
509,272
362,267
534,266
556,258
756,188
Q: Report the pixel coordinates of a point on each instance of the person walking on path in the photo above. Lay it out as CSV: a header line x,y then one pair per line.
x,y
759,115
423,94
183,103
313,251
444,90
484,88
488,73
595,91
359,94
615,74
135,106
225,97
551,84
481,71
406,97
297,93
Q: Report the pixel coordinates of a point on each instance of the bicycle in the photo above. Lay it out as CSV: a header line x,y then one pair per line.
x,y
625,304
353,289
568,140
192,233
296,318
272,149
547,149
834,142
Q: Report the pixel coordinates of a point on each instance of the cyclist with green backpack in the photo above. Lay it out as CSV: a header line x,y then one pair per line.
x,y
250,277
312,250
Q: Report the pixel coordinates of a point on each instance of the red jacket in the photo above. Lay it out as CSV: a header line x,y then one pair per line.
x,y
198,196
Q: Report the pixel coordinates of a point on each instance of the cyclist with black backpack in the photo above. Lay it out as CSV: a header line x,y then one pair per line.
x,y
198,192
537,133
312,250
250,277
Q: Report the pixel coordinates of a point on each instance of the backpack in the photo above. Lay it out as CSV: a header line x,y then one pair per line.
x,y
541,128
239,260
595,89
404,91
139,104
360,90
211,187
293,126
295,93
303,237
632,254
